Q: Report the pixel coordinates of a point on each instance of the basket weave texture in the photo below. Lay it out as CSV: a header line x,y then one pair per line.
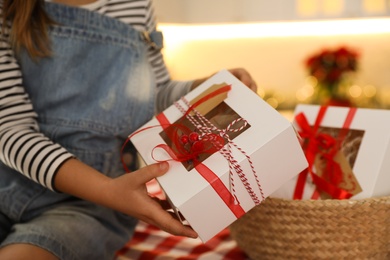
x,y
315,229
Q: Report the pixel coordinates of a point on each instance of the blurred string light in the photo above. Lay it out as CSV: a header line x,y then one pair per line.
x,y
369,91
273,102
261,91
365,96
277,99
306,92
355,91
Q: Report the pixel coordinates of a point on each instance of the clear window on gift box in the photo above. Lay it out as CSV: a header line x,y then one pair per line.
x,y
349,141
220,116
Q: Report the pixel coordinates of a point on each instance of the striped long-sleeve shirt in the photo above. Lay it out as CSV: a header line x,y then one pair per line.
x,y
22,146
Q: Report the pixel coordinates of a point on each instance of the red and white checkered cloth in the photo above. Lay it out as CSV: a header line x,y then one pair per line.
x,y
152,243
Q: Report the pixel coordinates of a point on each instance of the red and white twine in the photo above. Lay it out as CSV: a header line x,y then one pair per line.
x,y
204,126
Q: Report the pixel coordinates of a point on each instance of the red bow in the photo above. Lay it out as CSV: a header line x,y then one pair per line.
x,y
325,146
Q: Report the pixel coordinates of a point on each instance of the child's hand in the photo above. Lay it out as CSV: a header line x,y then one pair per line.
x,y
244,76
240,73
128,194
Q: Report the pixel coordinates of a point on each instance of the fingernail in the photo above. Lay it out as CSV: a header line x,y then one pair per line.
x,y
164,166
193,235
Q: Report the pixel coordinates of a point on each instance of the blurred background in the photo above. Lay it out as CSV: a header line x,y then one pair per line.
x,y
298,51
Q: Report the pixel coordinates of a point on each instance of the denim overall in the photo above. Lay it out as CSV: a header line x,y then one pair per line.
x,y
94,90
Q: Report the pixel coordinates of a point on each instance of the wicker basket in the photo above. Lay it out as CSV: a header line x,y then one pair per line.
x,y
315,229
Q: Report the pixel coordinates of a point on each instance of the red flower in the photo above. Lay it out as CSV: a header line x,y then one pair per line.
x,y
328,66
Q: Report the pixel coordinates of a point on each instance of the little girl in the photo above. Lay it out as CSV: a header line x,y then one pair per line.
x,y
77,77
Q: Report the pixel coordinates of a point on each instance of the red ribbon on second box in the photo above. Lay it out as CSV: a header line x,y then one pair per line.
x,y
326,146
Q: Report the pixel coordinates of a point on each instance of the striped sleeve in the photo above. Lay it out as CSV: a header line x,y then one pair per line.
x,y
22,146
168,90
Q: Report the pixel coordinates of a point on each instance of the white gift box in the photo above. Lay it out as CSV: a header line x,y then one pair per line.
x,y
366,148
203,195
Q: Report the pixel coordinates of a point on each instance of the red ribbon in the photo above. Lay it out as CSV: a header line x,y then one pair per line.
x,y
222,191
326,146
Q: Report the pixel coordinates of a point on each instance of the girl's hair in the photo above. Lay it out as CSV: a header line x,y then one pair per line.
x,y
29,23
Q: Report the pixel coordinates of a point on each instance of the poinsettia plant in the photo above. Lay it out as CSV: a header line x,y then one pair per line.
x,y
330,67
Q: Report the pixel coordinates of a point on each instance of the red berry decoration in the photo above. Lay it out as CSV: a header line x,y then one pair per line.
x,y
184,139
194,137
197,146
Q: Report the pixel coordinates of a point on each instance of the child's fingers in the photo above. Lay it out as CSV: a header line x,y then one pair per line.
x,y
150,172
